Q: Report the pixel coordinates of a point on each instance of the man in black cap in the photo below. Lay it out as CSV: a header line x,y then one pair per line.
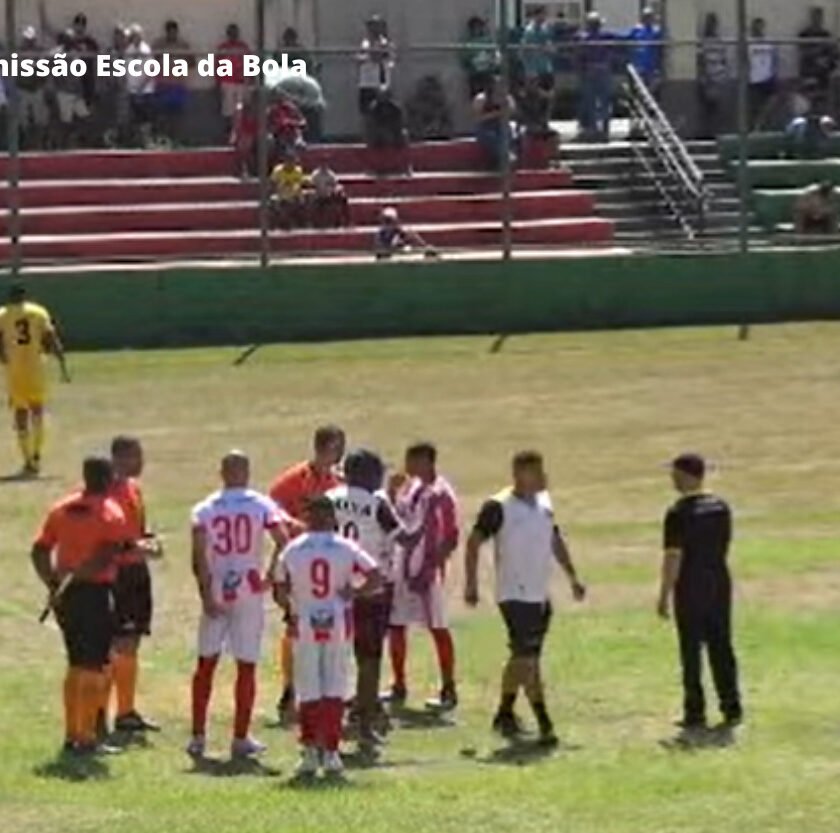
x,y
697,533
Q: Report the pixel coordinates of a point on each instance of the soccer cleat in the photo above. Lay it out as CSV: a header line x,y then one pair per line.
x,y
135,722
508,725
397,696
333,765
446,702
246,748
89,750
548,739
196,747
310,760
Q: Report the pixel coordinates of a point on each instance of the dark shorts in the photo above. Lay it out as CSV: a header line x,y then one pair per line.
x,y
133,600
86,616
371,616
527,624
367,95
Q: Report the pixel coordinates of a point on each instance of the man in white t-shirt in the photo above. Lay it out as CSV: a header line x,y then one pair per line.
x,y
316,577
764,71
228,533
520,520
376,63
141,87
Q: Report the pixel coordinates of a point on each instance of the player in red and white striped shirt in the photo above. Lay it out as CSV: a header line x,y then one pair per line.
x,y
427,502
228,535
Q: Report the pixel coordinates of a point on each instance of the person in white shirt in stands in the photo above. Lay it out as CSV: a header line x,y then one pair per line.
x,y
316,577
764,71
141,88
376,63
520,520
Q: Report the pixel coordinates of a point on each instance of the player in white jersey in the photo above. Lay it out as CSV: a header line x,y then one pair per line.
x,y
228,535
364,514
315,577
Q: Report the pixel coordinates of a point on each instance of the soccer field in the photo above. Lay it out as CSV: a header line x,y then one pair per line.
x,y
607,410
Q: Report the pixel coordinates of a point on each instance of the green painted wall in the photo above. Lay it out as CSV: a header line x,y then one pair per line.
x,y
219,306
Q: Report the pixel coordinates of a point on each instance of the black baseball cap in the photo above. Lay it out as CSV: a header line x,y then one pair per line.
x,y
691,464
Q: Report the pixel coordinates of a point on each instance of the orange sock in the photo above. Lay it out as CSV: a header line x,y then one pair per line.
x,y
125,681
286,662
71,705
104,706
91,687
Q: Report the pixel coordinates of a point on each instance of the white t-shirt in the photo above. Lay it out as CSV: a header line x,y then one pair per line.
x,y
374,74
318,568
523,533
762,62
368,519
141,84
235,522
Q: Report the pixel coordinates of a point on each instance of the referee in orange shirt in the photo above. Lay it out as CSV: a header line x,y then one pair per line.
x,y
75,556
292,491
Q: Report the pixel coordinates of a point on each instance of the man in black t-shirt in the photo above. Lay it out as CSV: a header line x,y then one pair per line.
x,y
697,533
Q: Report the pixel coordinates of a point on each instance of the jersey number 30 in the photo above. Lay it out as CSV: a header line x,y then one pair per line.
x,y
232,534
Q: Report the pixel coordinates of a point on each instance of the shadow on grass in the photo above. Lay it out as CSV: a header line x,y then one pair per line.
x,y
74,768
696,740
521,753
232,768
129,740
324,784
407,718
19,477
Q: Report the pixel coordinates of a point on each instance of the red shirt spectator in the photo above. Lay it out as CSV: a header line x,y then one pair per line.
x,y
233,49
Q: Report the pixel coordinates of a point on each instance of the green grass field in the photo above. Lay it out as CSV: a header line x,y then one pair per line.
x,y
607,409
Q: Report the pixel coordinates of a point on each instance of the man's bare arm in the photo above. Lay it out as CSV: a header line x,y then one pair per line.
x,y
42,562
671,562
53,346
471,556
564,559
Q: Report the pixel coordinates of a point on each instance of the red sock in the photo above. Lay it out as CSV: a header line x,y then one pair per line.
x,y
446,654
308,714
398,646
332,713
245,695
202,687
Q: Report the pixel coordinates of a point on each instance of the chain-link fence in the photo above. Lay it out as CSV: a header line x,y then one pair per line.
x,y
554,135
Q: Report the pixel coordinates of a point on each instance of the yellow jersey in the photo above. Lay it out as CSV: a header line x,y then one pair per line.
x,y
23,329
288,180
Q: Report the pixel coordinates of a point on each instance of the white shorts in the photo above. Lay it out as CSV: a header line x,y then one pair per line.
x,y
232,96
428,609
70,107
321,670
239,631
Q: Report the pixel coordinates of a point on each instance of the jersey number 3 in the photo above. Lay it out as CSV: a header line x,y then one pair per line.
x,y
232,535
24,332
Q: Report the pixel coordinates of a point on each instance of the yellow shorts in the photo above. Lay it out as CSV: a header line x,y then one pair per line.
x,y
26,392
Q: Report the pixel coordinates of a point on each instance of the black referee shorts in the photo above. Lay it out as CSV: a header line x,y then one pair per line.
x,y
371,617
133,600
85,613
527,625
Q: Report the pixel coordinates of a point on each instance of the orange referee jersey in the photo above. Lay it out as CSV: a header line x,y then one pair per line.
x,y
77,526
127,493
298,485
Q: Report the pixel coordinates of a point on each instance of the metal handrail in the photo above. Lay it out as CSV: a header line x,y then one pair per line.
x,y
671,153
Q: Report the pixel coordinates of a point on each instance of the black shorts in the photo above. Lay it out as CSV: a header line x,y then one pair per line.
x,y
371,617
527,624
86,616
367,95
133,600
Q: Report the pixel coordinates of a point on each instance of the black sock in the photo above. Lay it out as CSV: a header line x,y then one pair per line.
x,y
542,716
507,703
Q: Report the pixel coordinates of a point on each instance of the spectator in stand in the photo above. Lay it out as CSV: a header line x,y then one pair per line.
x,y
493,119
243,136
71,108
392,237
87,48
330,206
563,34
809,137
172,93
376,63
479,57
428,110
291,46
287,201
117,104
34,111
646,51
285,126
815,210
714,76
538,62
764,72
141,88
386,127
595,65
232,89
817,54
